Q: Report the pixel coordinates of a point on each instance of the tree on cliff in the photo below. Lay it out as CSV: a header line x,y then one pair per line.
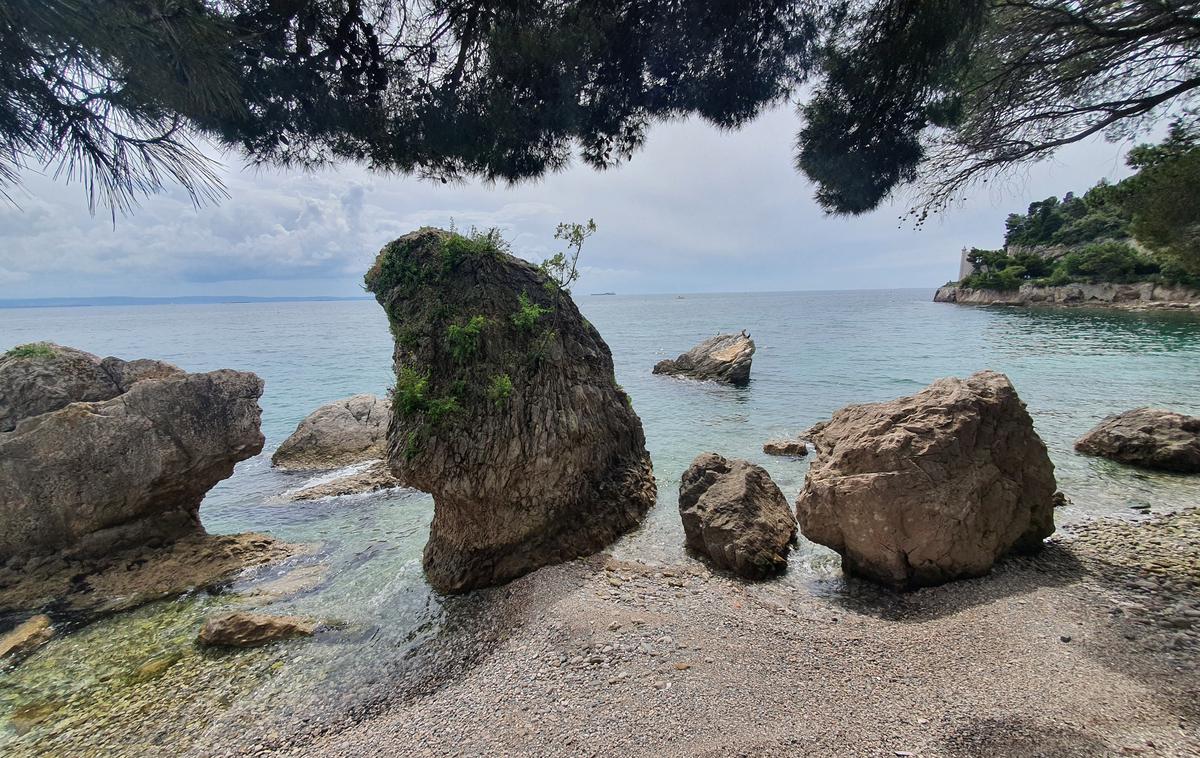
x,y
945,93
940,93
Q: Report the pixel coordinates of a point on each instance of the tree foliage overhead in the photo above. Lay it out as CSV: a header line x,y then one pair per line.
x,y
965,90
934,94
113,92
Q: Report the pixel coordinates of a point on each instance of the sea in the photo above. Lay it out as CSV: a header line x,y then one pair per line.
x,y
89,691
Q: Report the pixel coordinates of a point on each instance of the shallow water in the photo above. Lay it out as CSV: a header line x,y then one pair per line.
x,y
135,684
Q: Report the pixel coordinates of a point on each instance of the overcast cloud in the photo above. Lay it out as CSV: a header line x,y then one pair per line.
x,y
697,210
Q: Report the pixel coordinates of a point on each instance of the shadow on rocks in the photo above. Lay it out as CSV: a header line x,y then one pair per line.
x,y
1055,566
1020,739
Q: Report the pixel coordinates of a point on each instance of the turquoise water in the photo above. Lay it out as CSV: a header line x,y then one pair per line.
x,y
816,352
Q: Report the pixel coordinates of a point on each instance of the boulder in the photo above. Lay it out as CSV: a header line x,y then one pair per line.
x,y
339,434
506,410
82,474
27,637
724,358
794,448
733,513
1148,437
929,488
42,377
240,629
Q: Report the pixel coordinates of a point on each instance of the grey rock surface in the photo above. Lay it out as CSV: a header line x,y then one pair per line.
x,y
1148,437
723,358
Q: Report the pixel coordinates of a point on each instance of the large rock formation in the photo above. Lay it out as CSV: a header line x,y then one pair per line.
x,y
724,358
338,434
929,488
113,454
506,410
733,513
43,376
1148,437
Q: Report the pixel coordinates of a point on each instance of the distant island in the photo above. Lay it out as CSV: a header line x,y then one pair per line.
x,y
1133,244
88,302
601,294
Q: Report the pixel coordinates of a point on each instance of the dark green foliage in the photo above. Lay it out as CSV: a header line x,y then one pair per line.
x,y
410,397
1164,201
463,341
500,90
409,394
1108,262
891,71
528,313
539,349
31,350
499,389
1073,221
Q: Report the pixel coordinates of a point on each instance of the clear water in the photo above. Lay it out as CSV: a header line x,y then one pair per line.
x,y
816,352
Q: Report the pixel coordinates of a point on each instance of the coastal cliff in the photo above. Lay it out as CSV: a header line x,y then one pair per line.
x,y
1135,296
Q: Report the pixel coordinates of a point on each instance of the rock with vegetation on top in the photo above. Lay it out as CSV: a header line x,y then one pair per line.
x,y
724,358
1148,437
338,434
240,629
27,637
114,454
733,513
929,488
42,377
506,411
794,448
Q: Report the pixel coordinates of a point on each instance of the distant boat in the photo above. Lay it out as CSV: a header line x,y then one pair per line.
x,y
600,294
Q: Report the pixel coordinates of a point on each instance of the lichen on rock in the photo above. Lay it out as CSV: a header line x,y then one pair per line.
x,y
506,410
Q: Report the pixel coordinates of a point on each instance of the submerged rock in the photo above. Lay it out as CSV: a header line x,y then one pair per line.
x,y
85,475
724,358
125,579
1147,437
733,513
377,476
929,488
241,629
338,434
506,410
794,448
27,637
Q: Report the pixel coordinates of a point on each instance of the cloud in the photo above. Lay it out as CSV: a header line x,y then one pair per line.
x,y
698,210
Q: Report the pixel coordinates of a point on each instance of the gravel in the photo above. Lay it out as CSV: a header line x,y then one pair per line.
x,y
1087,649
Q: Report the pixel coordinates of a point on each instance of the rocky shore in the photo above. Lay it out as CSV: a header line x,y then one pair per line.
x,y
604,657
1140,296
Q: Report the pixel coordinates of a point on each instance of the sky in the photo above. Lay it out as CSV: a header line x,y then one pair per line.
x,y
697,210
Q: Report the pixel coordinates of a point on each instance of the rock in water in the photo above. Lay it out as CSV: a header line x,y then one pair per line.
x,y
341,433
1148,437
724,358
929,488
733,513
252,629
114,455
506,410
27,637
794,448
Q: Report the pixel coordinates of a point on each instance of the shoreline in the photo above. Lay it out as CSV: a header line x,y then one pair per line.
x,y
1139,297
607,657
